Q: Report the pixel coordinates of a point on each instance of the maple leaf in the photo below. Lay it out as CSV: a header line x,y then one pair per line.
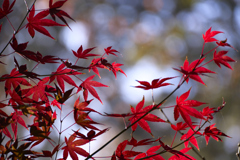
x,y
179,126
38,57
193,71
140,111
208,36
96,63
37,22
23,70
38,135
123,154
136,143
214,133
190,137
171,150
84,53
91,134
72,147
151,151
82,118
6,8
156,83
54,10
13,80
180,157
109,50
21,49
220,58
224,43
115,68
80,107
207,112
3,126
38,91
184,108
61,98
56,103
88,85
16,118
61,75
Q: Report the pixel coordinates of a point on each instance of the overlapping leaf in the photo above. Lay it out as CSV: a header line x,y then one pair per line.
x,y
189,137
13,80
180,157
61,75
123,154
150,152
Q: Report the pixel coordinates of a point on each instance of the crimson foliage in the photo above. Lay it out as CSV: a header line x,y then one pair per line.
x,y
29,94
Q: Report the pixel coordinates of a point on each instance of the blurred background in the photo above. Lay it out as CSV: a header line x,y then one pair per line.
x,y
152,36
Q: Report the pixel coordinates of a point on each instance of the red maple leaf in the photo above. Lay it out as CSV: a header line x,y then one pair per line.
x,y
123,154
189,136
91,134
72,147
224,43
61,75
179,126
54,10
21,49
39,91
37,22
208,36
6,8
207,112
38,57
171,150
184,108
115,68
84,53
151,151
140,111
88,85
109,50
180,157
13,80
95,64
16,118
193,71
156,83
220,58
214,133
136,143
